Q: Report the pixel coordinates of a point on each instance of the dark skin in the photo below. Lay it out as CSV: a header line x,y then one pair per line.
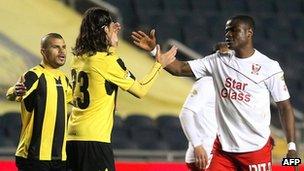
x,y
239,37
148,43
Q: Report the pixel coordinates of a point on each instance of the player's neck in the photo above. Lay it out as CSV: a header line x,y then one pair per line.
x,y
47,66
244,53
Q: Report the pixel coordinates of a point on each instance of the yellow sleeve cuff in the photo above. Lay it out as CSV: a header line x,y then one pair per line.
x,y
141,88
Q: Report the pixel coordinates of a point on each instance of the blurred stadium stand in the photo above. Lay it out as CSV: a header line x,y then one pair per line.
x,y
144,133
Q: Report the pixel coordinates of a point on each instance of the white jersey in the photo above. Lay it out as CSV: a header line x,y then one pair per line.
x,y
201,101
243,88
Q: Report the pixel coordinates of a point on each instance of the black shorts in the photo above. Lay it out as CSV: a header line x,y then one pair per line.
x,y
89,156
24,164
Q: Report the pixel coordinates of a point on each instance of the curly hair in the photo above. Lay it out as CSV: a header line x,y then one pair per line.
x,y
92,37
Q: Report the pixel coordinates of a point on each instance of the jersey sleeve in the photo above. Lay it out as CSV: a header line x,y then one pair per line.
x,y
31,83
30,79
141,88
188,124
201,94
192,101
118,74
277,87
200,67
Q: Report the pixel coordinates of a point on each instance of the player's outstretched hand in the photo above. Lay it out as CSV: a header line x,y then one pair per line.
x,y
166,58
201,158
144,41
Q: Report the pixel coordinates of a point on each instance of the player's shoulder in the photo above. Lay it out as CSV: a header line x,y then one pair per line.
x,y
106,57
266,62
219,56
263,58
110,61
61,73
37,70
33,73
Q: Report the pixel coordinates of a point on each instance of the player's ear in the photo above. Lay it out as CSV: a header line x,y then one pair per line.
x,y
250,32
42,51
106,29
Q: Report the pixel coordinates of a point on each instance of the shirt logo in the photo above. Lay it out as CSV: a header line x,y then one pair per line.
x,y
235,90
58,82
193,93
255,69
285,87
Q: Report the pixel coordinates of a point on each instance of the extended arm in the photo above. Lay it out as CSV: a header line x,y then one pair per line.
x,y
179,68
148,43
140,88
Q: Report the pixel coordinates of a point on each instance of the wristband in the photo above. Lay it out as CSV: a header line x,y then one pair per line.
x,y
154,51
291,146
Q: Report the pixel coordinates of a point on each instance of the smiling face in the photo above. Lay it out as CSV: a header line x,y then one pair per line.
x,y
54,52
237,34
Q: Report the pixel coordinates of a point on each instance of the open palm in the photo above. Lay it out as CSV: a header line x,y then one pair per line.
x,y
144,41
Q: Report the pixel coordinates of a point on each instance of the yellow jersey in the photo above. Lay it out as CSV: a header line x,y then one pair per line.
x,y
44,114
95,83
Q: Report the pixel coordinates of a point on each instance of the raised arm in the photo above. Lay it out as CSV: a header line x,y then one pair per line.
x,y
148,43
288,125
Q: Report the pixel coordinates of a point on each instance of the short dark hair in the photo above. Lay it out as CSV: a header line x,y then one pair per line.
x,y
92,38
248,20
46,39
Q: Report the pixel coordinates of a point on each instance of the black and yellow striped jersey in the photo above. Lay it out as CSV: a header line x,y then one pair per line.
x,y
95,82
44,114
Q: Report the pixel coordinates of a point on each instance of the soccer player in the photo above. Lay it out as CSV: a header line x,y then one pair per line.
x,y
97,73
198,120
199,123
244,80
44,92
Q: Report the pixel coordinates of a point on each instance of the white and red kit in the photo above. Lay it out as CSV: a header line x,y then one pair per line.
x,y
243,88
198,117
